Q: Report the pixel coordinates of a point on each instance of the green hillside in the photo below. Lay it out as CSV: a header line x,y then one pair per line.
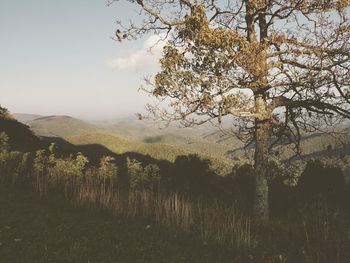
x,y
183,203
144,131
158,151
167,143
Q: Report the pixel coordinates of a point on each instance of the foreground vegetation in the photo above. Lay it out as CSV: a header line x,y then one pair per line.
x,y
41,231
307,226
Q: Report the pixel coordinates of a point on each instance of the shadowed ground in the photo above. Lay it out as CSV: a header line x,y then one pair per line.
x,y
33,230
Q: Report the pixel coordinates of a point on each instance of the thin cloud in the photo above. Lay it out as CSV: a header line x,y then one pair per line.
x,y
148,55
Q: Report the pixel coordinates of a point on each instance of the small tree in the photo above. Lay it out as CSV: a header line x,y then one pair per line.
x,y
5,114
3,111
4,142
277,66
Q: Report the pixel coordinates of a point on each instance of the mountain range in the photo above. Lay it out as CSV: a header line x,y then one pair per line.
x,y
130,134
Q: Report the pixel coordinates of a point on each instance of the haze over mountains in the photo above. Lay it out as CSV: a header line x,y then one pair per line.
x,y
128,137
130,134
127,128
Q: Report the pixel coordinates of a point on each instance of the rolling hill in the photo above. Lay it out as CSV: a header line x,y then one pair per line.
x,y
189,140
145,138
60,126
159,151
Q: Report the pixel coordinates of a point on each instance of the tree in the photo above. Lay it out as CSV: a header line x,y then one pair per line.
x,y
3,112
279,67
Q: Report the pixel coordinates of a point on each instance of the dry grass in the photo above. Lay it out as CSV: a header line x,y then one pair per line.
x,y
325,238
320,237
211,221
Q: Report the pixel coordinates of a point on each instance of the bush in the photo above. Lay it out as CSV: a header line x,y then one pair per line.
x,y
243,187
140,177
4,142
321,182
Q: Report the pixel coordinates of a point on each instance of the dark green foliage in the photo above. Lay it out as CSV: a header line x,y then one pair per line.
x,y
3,112
241,181
282,198
20,137
4,142
321,182
243,187
318,182
192,175
140,177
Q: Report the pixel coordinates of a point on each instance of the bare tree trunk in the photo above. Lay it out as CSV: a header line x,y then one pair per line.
x,y
261,204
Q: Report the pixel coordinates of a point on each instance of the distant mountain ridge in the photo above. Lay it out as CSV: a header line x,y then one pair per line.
x,y
60,126
204,140
26,118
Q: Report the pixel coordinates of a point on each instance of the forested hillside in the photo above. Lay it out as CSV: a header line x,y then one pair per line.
x,y
172,189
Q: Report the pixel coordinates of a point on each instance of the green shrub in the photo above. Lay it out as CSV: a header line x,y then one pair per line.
x,y
4,142
142,177
108,169
66,174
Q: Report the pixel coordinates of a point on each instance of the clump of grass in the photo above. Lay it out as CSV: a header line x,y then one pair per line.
x,y
210,221
324,237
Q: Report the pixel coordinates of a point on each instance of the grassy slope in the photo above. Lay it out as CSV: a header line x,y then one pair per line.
x,y
168,148
33,230
156,150
60,126
185,140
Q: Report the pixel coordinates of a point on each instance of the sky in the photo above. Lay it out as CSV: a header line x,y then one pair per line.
x,y
57,58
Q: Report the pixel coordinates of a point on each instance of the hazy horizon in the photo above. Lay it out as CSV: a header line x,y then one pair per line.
x,y
58,58
120,117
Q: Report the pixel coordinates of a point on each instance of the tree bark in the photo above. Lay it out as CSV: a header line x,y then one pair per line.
x,y
261,204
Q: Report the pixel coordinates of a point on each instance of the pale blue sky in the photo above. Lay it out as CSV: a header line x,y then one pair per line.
x,y
56,57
